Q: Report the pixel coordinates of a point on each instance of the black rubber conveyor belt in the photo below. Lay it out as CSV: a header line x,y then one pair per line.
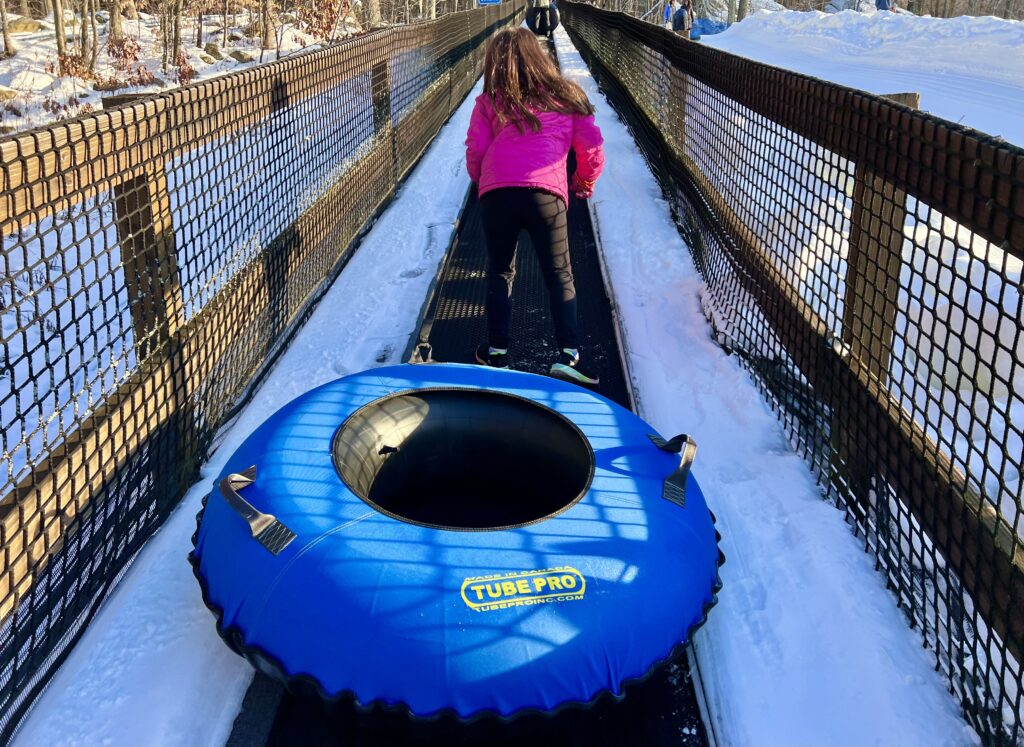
x,y
456,322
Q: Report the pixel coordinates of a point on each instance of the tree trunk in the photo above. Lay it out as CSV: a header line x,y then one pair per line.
x,y
131,10
24,10
114,30
58,27
176,38
95,35
268,30
741,12
224,33
165,33
372,8
431,9
9,49
732,12
86,45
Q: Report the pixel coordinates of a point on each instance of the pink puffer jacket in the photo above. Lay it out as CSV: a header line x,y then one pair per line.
x,y
502,156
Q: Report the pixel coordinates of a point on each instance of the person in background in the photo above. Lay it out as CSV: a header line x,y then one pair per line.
x,y
682,19
882,5
542,9
670,10
522,128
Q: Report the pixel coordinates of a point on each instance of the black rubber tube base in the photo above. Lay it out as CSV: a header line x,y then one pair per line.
x,y
660,711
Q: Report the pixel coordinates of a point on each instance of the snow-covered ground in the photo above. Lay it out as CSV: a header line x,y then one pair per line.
x,y
38,95
151,669
969,70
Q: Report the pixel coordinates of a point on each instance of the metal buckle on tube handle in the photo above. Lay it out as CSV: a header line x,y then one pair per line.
x,y
674,487
265,528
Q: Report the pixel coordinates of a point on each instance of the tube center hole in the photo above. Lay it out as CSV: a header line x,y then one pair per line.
x,y
463,459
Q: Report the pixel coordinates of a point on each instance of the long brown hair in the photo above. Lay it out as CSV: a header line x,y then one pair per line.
x,y
521,78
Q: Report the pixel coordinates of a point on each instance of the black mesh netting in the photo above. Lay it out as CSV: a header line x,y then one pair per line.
x,y
863,259
156,257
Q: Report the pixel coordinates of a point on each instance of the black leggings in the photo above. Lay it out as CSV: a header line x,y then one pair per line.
x,y
506,212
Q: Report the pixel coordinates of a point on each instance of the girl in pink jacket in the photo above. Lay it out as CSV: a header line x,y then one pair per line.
x,y
523,125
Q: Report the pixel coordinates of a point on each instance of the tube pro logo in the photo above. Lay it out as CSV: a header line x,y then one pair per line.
x,y
523,588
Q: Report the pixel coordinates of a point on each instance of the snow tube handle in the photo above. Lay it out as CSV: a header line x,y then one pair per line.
x,y
265,528
674,487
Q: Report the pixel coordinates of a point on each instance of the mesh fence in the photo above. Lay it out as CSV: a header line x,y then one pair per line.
x,y
156,257
863,260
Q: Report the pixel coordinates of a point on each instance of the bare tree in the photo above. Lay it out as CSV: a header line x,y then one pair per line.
x,y
372,10
732,12
86,40
24,10
115,30
741,12
267,30
9,49
95,34
58,27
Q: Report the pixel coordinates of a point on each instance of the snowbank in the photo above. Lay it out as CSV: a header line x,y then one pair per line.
x,y
969,70
806,646
41,96
151,669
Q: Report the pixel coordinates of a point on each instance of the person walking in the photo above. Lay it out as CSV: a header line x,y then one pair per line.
x,y
522,128
683,18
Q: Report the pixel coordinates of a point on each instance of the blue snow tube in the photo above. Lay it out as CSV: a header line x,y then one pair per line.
x,y
457,539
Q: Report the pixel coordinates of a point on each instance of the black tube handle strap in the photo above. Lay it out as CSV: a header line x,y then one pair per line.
x,y
674,487
265,528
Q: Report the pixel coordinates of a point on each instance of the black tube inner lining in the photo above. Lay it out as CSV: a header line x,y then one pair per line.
x,y
463,459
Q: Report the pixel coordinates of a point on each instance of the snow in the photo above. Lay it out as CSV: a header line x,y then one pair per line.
x,y
806,646
151,670
43,96
969,70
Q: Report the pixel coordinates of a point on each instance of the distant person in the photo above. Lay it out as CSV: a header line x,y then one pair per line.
x,y
882,5
682,19
522,128
670,10
539,17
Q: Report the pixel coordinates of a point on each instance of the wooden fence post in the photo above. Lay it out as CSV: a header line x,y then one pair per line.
x,y
875,255
873,263
380,87
149,255
145,233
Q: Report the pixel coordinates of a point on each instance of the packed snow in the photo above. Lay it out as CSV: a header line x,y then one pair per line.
x,y
806,646
969,70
